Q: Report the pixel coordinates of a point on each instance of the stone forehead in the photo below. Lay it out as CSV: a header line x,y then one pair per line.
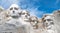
x,y
25,11
33,17
48,17
14,5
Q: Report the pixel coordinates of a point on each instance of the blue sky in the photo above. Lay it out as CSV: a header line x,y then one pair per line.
x,y
35,7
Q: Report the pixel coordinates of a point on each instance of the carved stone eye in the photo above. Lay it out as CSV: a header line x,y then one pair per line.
x,y
23,13
16,8
11,8
44,20
51,23
49,20
19,13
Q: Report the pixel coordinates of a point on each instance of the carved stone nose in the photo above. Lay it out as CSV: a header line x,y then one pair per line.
x,y
25,15
13,11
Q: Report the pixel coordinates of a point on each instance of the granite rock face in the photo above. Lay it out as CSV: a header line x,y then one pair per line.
x,y
16,20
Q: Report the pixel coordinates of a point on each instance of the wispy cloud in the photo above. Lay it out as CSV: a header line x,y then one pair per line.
x,y
57,1
35,7
32,6
7,3
36,12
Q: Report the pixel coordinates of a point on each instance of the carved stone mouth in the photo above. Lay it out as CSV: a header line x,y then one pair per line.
x,y
27,20
15,16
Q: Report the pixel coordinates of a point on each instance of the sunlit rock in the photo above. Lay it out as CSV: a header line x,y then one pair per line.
x,y
48,23
25,15
57,20
4,16
12,24
34,22
16,20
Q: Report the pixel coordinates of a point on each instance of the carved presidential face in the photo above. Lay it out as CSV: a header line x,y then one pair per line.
x,y
14,10
34,21
48,21
25,14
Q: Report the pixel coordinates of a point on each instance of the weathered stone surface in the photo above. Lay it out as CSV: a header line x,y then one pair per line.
x,y
15,20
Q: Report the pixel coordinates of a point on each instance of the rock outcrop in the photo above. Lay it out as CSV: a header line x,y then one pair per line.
x,y
16,20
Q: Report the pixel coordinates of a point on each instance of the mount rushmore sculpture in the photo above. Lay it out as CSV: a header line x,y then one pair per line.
x,y
16,20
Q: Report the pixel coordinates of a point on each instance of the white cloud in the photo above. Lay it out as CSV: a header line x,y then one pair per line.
x,y
7,3
29,5
36,12
57,1
32,7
